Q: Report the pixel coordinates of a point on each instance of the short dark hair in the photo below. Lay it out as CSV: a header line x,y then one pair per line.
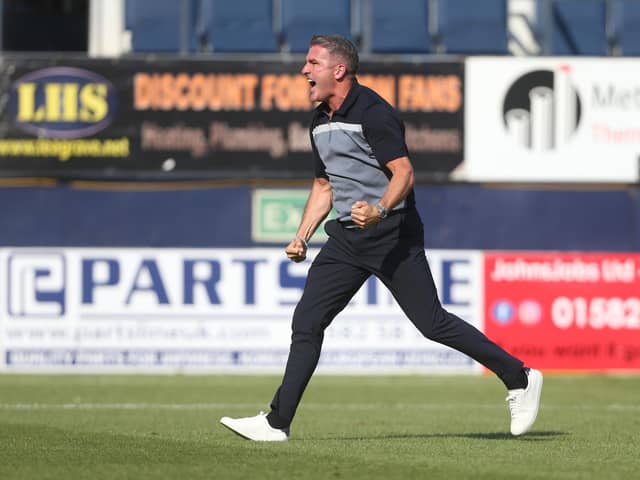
x,y
341,47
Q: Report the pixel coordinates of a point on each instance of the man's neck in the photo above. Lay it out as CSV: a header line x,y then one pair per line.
x,y
336,101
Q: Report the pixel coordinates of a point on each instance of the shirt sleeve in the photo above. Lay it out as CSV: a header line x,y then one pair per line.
x,y
384,131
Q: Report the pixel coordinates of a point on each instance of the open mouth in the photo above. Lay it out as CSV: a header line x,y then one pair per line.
x,y
312,83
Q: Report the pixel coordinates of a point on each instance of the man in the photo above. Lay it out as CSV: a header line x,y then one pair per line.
x,y
363,170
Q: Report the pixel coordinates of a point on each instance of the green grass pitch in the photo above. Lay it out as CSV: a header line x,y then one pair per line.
x,y
348,427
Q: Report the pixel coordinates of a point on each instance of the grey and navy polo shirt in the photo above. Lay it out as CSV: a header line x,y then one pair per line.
x,y
352,148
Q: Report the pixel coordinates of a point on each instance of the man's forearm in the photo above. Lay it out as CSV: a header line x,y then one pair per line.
x,y
316,209
399,186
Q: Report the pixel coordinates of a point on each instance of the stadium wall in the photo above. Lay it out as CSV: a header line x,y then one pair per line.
x,y
456,216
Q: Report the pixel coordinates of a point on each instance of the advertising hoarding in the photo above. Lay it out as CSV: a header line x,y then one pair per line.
x,y
223,310
230,310
551,120
565,311
193,119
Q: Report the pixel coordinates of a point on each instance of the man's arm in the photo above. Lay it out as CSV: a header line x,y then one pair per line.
x,y
316,210
364,214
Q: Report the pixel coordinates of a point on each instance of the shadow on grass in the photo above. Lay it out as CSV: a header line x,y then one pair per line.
x,y
535,436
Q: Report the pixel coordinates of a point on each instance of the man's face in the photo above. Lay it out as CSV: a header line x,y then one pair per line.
x,y
320,71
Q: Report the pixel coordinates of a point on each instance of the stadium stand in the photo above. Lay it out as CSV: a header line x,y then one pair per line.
x,y
573,27
468,27
303,18
129,14
472,27
242,26
400,30
157,25
626,14
39,27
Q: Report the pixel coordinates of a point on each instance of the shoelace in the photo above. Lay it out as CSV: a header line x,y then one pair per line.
x,y
514,403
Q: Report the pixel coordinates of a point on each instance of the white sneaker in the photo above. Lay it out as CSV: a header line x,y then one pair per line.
x,y
255,428
524,403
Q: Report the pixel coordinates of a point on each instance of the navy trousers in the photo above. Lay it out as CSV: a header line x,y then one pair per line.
x,y
393,251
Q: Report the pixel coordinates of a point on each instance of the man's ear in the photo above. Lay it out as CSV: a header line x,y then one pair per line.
x,y
340,71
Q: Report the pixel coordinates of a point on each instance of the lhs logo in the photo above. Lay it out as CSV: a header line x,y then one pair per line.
x,y
62,102
542,109
36,285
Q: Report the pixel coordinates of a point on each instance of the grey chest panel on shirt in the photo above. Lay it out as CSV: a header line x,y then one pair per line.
x,y
350,164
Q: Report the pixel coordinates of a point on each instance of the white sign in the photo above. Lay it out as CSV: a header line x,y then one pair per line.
x,y
552,120
219,310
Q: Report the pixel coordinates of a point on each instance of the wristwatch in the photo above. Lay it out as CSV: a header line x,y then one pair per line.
x,y
382,211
